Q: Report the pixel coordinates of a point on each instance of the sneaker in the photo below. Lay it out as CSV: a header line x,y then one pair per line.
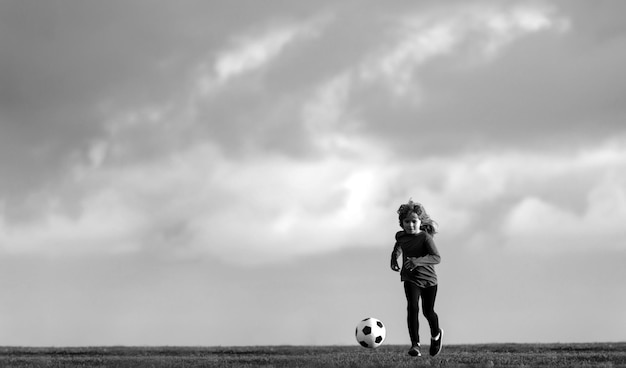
x,y
415,351
435,344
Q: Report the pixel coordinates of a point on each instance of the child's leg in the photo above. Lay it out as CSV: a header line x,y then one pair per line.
x,y
429,295
412,293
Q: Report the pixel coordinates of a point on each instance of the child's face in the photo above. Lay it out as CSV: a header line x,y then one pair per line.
x,y
411,223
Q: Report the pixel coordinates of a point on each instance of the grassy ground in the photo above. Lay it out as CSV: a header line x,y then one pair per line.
x,y
492,355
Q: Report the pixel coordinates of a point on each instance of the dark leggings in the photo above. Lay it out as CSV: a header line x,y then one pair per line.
x,y
428,295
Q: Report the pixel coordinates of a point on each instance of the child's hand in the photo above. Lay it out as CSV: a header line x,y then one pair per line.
x,y
394,266
410,263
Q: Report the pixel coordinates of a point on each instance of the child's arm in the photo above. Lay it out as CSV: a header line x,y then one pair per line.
x,y
432,258
397,251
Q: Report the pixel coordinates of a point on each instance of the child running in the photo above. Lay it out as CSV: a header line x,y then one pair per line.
x,y
419,257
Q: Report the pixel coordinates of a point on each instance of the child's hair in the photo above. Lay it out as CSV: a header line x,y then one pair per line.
x,y
428,224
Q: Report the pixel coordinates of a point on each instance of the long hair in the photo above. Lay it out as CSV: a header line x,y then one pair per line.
x,y
428,224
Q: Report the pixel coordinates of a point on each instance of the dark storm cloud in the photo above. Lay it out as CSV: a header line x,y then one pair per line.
x,y
68,67
546,90
61,61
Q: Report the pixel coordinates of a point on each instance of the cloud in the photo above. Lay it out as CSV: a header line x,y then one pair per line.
x,y
422,38
249,52
532,202
104,226
433,73
536,225
393,61
201,203
297,157
198,202
504,28
330,125
81,65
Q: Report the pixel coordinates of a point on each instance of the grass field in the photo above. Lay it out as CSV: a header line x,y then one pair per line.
x,y
489,355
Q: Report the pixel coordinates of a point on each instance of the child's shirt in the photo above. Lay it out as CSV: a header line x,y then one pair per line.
x,y
420,246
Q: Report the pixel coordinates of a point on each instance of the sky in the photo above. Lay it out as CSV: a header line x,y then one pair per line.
x,y
225,173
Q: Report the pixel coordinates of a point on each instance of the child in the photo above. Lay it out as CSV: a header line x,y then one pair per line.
x,y
419,257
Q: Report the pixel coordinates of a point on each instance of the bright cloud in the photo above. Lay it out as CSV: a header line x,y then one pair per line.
x,y
273,208
326,118
502,28
424,37
536,225
250,52
270,208
414,48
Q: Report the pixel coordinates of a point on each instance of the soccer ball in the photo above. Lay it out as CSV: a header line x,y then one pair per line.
x,y
370,333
